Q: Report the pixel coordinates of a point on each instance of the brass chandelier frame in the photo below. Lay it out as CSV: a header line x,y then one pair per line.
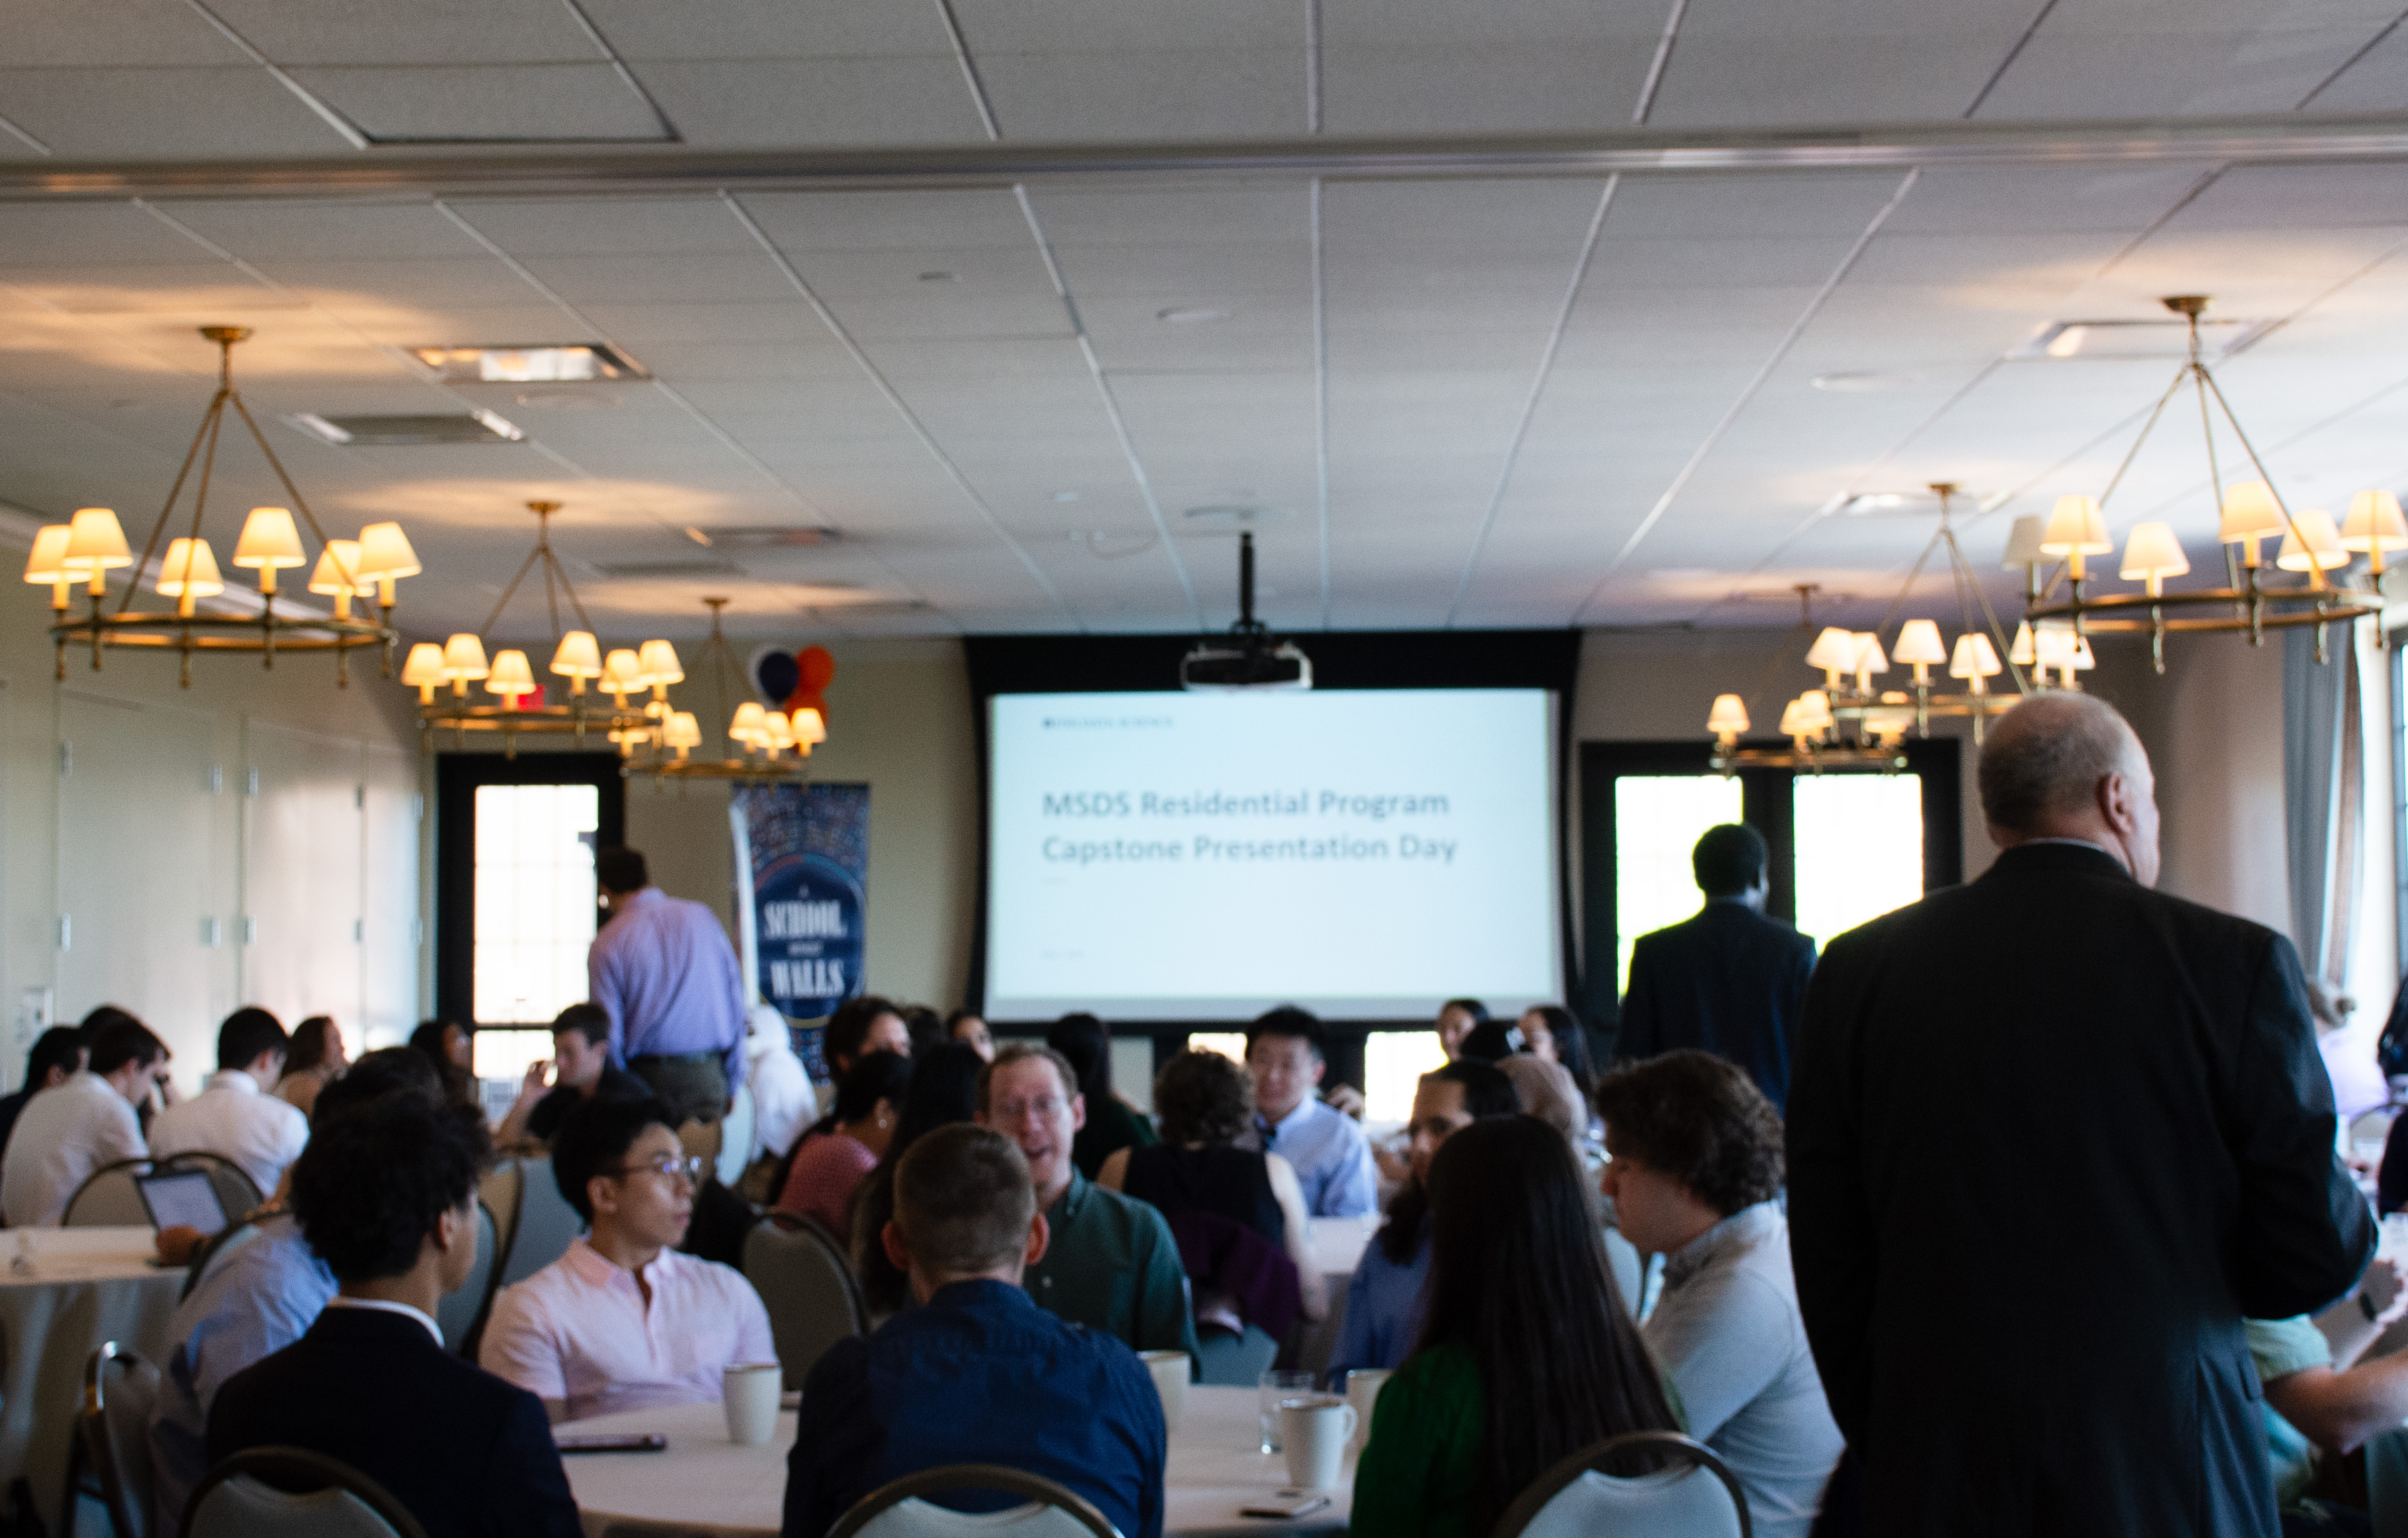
x,y
735,762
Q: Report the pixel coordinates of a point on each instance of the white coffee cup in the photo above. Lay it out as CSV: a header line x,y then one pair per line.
x,y
749,1393
1312,1435
1362,1388
1170,1374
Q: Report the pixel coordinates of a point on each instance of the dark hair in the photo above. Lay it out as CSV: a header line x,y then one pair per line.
x,y
619,868
1487,1093
1729,859
849,1027
963,1199
1518,1274
1087,1042
387,1071
100,1018
1699,1120
596,1137
430,1038
925,1026
944,1092
248,1032
1289,1020
591,1021
308,1047
1022,1051
874,1077
371,1184
123,1041
1472,1007
57,1048
1492,1042
954,1018
1571,1044
1202,1096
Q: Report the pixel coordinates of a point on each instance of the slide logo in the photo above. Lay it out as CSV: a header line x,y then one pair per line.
x,y
1087,803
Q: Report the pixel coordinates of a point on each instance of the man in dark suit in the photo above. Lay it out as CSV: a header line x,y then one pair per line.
x,y
2054,1135
1729,981
387,1196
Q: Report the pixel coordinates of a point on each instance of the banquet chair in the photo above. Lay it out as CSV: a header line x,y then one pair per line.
x,y
229,1239
291,1492
238,1193
547,1224
807,1284
462,1314
1234,1361
108,1198
1698,1497
110,1456
895,1510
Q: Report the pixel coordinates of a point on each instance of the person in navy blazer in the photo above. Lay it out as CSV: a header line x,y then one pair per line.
x,y
1729,981
387,1196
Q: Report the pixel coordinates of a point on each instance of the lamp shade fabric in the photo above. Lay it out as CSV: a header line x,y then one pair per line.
x,y
94,539
189,567
269,541
1975,657
1834,649
2322,548
48,562
2023,542
338,570
2077,527
811,728
424,665
385,554
2250,512
1918,641
660,664
511,675
464,657
2152,550
578,655
2374,523
1730,714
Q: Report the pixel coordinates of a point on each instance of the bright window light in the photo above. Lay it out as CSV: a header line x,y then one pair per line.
x,y
1229,1043
1658,820
536,911
503,1054
1393,1061
1859,848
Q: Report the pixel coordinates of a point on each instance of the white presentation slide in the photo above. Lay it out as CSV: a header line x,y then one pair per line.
x,y
1366,854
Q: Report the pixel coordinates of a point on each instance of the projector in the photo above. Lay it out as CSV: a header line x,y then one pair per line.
x,y
1251,657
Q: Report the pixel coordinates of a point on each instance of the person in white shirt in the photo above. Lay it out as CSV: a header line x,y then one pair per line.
x,y
783,1100
235,1116
64,1134
624,1321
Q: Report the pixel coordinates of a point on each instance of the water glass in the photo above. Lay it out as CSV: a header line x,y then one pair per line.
x,y
1273,1386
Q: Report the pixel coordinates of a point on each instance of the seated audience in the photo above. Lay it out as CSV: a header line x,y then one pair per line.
x,y
235,1115
783,1100
1206,1102
1696,1163
386,1195
1456,1018
944,1090
57,1054
262,1296
830,1165
925,1026
1527,1356
1546,1092
1383,1301
1113,1124
580,1071
624,1321
968,1025
1112,1264
313,1060
448,1048
975,1374
864,1024
2321,1395
1287,1056
1555,1034
64,1134
1491,1041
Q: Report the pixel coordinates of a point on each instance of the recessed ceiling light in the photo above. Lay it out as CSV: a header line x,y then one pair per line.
x,y
1066,497
1190,314
2167,338
762,536
1862,382
472,426
1233,515
1871,501
532,363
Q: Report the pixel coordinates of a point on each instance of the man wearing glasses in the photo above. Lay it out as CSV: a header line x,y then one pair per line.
x,y
624,1321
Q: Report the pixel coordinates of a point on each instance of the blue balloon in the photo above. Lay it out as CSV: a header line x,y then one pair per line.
x,y
775,674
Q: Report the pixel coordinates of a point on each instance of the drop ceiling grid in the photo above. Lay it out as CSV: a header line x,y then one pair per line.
x,y
2086,60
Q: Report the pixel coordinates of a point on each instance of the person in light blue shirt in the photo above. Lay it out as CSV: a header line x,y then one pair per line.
x,y
1332,1159
675,992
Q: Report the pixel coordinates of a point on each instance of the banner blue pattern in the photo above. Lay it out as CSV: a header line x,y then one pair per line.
x,y
806,850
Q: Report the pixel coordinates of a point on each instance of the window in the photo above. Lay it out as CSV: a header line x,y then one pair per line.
x,y
515,911
1660,817
1859,848
1393,1060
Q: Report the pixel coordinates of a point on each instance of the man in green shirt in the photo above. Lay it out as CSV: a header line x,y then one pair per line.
x,y
1110,1264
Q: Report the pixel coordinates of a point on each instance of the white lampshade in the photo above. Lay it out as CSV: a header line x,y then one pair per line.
x,y
385,554
1975,657
1814,709
511,675
189,567
682,732
578,655
96,542
2152,553
2083,658
2053,647
621,672
47,563
810,728
2323,539
780,734
1834,650
660,664
1730,714
423,668
464,657
2023,542
1918,641
2250,512
1889,723
2076,529
269,541
2020,651
749,725
338,570
1868,654
2374,524
1789,726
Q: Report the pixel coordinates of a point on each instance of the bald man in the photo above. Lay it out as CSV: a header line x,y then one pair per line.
x,y
2052,1136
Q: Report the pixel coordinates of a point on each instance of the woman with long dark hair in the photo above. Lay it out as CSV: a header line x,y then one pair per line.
x,y
1527,1355
1555,1033
944,1090
448,1046
1113,1124
314,1060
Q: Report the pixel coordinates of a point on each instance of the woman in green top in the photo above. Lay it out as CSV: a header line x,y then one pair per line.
x,y
1111,1123
1527,1356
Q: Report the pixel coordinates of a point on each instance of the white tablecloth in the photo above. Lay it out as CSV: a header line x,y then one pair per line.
x,y
1335,1245
86,1285
705,1484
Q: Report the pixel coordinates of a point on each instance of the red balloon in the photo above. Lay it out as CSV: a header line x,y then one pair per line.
x,y
815,669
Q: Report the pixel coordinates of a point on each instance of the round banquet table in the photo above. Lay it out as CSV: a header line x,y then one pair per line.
x,y
706,1485
86,1285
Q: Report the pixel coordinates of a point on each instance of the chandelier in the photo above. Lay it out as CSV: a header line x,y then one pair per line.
x,y
82,553
756,744
576,656
2250,512
1817,720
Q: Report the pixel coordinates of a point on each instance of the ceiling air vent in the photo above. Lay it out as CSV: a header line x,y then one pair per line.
x,y
529,363
761,537
397,431
2169,339
680,567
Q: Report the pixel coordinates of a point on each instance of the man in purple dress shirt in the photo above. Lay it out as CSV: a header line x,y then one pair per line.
x,y
662,969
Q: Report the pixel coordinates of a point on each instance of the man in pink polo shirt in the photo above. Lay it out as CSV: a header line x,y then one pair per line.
x,y
624,1321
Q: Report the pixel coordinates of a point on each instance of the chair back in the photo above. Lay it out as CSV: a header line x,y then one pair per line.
x,y
291,1492
737,1131
238,1193
461,1315
1696,1497
499,1189
2374,1126
109,1199
229,1239
897,1510
112,1433
547,1224
1234,1361
808,1287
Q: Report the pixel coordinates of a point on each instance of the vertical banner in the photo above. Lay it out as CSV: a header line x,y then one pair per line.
x,y
802,876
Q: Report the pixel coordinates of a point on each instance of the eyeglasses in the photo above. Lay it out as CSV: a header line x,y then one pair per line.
x,y
675,1165
1045,1107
